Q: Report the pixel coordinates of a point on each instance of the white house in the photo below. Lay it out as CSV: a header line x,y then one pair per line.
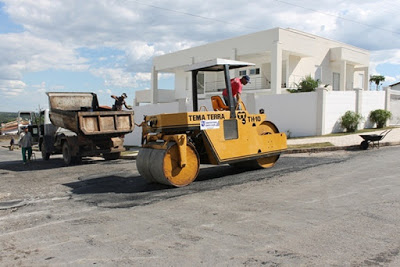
x,y
282,57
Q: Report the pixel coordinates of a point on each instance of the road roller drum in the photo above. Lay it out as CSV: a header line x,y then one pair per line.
x,y
163,165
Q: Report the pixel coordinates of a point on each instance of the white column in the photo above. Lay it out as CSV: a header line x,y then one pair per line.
x,y
387,102
154,86
276,68
182,104
343,76
358,104
366,79
235,72
287,70
321,104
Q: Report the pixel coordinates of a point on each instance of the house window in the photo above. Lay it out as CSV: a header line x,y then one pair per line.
x,y
361,81
255,71
336,81
242,72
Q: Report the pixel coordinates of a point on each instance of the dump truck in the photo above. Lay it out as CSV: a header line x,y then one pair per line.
x,y
76,126
174,144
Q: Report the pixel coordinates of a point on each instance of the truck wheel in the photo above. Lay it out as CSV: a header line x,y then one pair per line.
x,y
111,156
45,155
66,151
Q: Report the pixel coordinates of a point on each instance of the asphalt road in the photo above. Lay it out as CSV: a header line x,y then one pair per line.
x,y
326,209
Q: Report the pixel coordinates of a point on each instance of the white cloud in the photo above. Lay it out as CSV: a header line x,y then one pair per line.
x,y
389,79
391,56
12,87
120,78
382,57
121,37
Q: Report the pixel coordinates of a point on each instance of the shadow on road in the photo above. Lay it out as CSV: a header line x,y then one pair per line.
x,y
119,191
114,184
38,165
136,184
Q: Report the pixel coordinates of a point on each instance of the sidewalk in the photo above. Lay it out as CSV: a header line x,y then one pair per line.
x,y
304,145
350,141
344,142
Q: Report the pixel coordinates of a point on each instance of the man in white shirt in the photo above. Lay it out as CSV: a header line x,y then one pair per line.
x,y
25,142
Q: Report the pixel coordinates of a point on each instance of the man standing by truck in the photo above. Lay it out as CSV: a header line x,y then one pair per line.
x,y
119,101
25,141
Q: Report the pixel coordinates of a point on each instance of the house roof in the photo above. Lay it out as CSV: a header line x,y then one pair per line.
x,y
394,84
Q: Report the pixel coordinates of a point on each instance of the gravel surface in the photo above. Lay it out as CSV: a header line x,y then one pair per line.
x,y
323,209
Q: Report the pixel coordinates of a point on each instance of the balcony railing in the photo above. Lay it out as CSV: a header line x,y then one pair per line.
x,y
217,86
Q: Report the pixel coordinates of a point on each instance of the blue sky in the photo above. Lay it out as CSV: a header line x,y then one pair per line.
x,y
107,46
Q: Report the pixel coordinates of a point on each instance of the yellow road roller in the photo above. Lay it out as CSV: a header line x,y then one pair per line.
x,y
175,144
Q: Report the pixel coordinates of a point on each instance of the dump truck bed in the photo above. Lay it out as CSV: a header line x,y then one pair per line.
x,y
80,113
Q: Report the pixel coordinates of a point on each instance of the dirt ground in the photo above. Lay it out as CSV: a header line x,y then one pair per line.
x,y
329,209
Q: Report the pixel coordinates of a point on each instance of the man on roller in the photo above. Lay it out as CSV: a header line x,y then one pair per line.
x,y
237,85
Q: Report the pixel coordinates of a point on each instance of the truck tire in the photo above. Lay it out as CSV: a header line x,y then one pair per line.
x,y
66,151
111,156
45,154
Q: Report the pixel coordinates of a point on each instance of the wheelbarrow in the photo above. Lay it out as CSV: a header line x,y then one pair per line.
x,y
372,139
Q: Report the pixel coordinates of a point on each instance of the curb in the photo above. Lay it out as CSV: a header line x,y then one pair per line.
x,y
299,150
321,149
133,155
335,148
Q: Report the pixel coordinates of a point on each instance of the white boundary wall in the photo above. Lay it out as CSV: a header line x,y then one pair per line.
x,y
371,100
301,114
394,107
134,138
294,114
336,105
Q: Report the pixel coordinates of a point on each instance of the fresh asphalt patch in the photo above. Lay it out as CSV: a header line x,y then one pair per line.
x,y
126,190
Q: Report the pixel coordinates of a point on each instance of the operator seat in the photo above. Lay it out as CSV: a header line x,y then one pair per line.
x,y
218,104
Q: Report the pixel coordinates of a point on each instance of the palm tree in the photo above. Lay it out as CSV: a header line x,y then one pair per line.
x,y
377,79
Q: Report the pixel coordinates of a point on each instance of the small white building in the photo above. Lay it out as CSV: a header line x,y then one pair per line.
x,y
282,56
395,86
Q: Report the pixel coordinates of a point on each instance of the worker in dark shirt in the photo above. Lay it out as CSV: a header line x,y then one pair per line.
x,y
119,102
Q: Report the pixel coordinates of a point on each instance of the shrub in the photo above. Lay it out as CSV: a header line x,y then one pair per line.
x,y
307,84
350,121
380,116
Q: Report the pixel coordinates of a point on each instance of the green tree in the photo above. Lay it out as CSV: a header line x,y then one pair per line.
x,y
377,79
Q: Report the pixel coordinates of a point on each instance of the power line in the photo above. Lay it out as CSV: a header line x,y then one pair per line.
x,y
190,14
280,1
336,16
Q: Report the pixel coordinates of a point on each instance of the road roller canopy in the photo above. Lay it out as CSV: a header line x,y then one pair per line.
x,y
217,65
